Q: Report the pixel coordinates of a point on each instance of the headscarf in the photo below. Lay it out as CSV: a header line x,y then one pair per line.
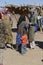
x,y
5,10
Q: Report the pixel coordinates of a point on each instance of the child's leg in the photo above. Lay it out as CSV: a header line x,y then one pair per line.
x,y
23,49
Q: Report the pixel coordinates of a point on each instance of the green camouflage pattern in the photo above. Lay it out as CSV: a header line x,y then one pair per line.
x,y
3,33
7,22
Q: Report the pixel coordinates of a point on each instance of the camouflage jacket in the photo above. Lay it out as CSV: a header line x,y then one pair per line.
x,y
2,32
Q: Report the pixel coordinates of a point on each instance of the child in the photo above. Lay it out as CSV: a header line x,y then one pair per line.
x,y
24,40
18,41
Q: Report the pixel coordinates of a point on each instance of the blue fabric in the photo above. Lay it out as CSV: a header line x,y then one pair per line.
x,y
18,41
23,49
25,25
42,22
36,27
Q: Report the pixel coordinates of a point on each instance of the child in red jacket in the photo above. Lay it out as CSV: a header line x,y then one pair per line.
x,y
24,40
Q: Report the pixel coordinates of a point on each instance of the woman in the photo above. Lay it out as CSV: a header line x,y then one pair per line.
x,y
7,21
3,33
22,23
31,30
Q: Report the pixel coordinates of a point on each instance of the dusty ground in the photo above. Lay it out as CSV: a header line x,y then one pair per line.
x,y
32,57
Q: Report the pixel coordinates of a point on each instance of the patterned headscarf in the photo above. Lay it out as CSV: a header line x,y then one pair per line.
x,y
5,11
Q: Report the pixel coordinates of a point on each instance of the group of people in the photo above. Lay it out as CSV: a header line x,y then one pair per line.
x,y
25,33
25,30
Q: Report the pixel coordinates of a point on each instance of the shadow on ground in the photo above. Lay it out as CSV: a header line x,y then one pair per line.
x,y
39,44
42,60
19,48
13,46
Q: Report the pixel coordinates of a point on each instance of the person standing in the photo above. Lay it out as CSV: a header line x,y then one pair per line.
x,y
24,40
3,33
22,23
7,21
31,30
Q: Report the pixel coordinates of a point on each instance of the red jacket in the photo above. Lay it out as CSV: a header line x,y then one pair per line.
x,y
24,39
